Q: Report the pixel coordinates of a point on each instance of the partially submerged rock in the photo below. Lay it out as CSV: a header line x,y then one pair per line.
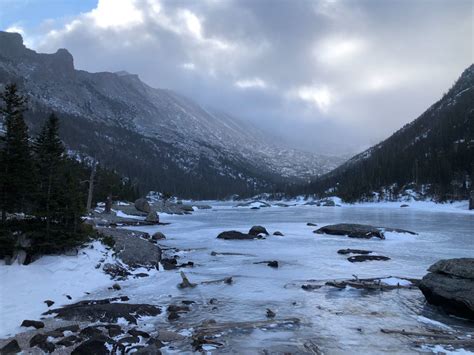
x,y
152,217
11,348
354,251
352,230
361,258
358,230
32,323
278,233
256,230
450,286
158,236
236,235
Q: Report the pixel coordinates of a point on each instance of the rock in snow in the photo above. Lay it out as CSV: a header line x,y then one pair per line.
x,y
358,230
256,230
361,258
142,205
236,235
450,285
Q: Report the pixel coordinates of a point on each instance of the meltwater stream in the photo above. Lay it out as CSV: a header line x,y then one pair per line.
x,y
338,321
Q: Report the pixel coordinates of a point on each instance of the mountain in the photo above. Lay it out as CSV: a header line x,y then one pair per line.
x,y
433,155
163,140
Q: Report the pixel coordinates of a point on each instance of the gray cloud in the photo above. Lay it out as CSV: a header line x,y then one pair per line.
x,y
330,76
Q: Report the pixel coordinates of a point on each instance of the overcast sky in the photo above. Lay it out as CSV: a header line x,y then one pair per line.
x,y
331,76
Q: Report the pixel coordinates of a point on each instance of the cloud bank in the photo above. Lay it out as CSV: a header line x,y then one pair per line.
x,y
327,76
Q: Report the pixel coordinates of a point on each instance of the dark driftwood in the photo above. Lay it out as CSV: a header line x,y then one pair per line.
x,y
185,283
311,348
418,334
226,280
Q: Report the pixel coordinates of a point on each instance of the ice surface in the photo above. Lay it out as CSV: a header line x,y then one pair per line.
x,y
339,321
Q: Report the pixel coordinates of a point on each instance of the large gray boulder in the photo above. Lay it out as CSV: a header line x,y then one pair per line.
x,y
133,248
450,286
142,205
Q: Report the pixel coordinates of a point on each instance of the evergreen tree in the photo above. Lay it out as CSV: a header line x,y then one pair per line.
x,y
15,155
49,154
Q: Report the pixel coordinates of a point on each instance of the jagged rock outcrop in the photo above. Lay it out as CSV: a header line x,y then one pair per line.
x,y
450,286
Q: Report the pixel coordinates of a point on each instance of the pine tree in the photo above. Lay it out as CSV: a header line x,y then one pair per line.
x,y
15,155
49,153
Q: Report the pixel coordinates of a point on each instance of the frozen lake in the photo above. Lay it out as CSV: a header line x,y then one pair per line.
x,y
337,321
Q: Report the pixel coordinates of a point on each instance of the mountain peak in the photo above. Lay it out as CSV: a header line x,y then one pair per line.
x,y
11,44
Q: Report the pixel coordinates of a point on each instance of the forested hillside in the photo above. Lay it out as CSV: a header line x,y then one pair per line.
x,y
433,154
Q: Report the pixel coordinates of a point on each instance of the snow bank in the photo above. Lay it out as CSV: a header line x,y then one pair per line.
x,y
24,288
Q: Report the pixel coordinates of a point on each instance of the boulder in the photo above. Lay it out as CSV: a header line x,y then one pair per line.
x,y
142,205
359,230
90,332
69,341
353,251
11,348
256,230
94,346
136,252
235,235
32,323
41,341
352,230
310,224
278,233
152,217
450,286
158,236
361,258
49,303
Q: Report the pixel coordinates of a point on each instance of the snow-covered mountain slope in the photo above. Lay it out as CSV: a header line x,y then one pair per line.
x,y
172,125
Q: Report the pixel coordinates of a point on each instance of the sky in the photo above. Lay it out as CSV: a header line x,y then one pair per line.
x,y
328,76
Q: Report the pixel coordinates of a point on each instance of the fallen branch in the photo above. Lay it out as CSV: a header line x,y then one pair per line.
x,y
418,334
226,280
186,282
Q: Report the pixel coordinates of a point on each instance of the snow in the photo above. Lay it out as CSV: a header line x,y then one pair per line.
x,y
439,349
433,323
395,281
130,216
26,287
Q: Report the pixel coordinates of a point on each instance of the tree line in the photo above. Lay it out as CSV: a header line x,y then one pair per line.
x,y
43,191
